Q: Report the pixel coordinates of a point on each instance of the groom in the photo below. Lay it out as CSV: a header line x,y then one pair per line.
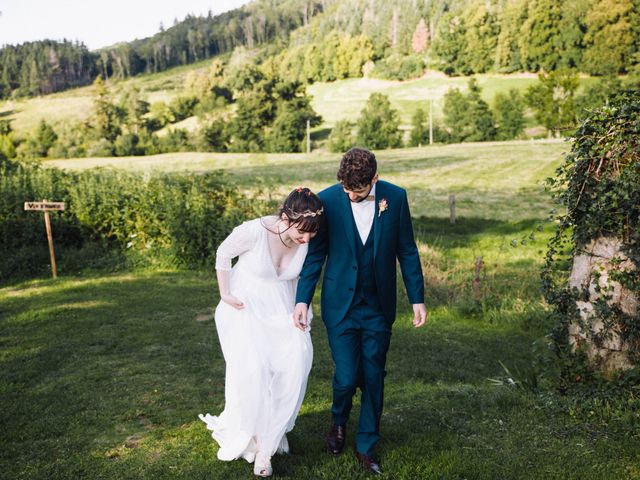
x,y
368,226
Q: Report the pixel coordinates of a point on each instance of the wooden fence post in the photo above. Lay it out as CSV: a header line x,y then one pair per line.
x,y
452,209
45,206
476,279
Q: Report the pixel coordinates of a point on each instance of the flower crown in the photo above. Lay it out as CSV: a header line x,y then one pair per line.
x,y
307,213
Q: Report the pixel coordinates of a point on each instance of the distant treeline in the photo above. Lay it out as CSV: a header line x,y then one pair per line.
x,y
44,67
39,68
463,37
324,40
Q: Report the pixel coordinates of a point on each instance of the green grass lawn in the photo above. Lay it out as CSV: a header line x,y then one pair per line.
x,y
102,375
502,180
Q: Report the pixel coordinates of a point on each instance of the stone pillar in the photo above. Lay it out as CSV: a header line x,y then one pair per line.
x,y
591,276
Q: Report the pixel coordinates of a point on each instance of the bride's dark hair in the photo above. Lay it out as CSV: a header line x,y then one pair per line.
x,y
303,209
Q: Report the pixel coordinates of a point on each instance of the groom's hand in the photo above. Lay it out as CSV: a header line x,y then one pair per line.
x,y
300,316
419,314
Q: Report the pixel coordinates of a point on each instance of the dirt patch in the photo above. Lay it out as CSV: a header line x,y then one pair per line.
x,y
205,315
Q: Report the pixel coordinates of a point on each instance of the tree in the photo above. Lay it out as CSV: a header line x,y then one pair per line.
x,y
507,54
420,131
540,39
468,118
509,112
341,137
135,108
378,124
45,138
610,39
213,137
481,34
552,100
598,95
107,117
450,45
289,128
420,37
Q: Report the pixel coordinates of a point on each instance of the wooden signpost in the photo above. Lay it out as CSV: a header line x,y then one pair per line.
x,y
45,206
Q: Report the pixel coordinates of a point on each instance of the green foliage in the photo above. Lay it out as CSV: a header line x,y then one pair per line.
x,y
341,137
509,112
399,67
482,29
552,100
135,108
184,216
37,144
289,128
107,116
127,145
182,107
468,118
378,124
213,137
611,37
159,115
271,114
540,40
598,187
420,130
598,95
450,45
176,140
336,57
71,141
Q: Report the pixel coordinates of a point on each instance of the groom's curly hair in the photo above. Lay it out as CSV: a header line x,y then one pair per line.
x,y
357,168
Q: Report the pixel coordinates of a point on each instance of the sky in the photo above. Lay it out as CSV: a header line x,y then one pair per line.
x,y
97,23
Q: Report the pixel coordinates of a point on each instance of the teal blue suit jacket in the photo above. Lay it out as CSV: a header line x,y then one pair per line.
x,y
335,246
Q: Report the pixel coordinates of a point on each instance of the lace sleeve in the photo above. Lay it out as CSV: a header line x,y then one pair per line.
x,y
240,240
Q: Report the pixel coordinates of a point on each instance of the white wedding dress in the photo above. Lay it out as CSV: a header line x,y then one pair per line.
x,y
267,359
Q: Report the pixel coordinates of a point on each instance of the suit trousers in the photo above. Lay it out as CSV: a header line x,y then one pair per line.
x,y
359,345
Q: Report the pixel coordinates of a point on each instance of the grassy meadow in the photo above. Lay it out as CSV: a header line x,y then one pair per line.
x,y
103,374
502,180
339,100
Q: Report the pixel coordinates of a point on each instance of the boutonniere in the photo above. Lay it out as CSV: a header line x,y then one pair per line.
x,y
382,206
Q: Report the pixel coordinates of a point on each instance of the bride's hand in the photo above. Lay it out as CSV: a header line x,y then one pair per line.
x,y
300,316
233,301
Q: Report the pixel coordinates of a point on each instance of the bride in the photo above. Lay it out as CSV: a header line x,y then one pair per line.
x,y
267,358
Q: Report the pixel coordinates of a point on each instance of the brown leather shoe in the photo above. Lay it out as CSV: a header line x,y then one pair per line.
x,y
369,464
336,438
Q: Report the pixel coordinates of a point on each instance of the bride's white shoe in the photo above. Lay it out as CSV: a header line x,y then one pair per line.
x,y
262,465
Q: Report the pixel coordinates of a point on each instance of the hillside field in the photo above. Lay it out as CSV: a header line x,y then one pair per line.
x,y
502,180
103,374
339,100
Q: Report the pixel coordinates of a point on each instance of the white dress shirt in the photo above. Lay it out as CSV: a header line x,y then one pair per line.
x,y
363,213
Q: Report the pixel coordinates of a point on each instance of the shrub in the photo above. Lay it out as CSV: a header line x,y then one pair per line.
x,y
399,67
182,107
341,137
378,124
509,109
468,118
182,216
